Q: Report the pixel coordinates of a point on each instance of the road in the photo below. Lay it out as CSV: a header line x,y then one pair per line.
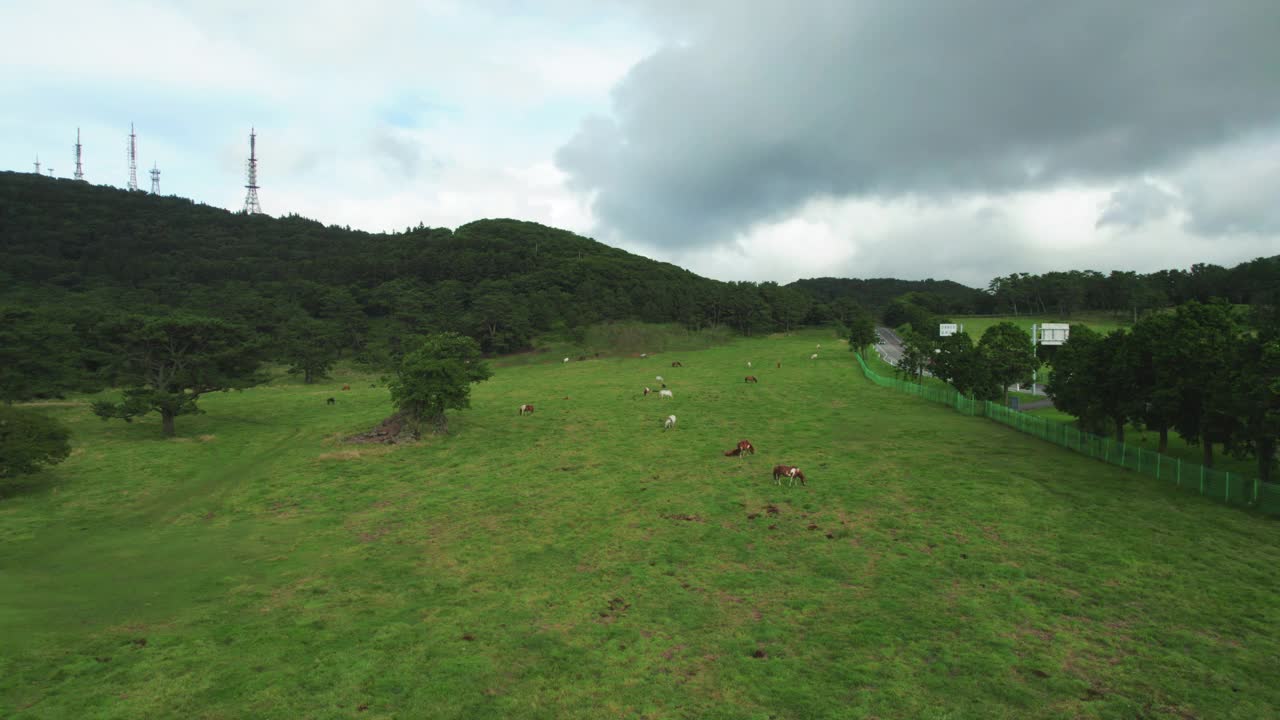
x,y
890,349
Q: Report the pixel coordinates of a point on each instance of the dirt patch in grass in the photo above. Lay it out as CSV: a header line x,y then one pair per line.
x,y
353,453
392,431
685,518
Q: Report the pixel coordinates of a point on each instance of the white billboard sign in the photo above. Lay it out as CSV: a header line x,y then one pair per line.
x,y
947,329
1054,333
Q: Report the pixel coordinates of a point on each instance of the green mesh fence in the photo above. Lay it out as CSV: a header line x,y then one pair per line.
x,y
1227,487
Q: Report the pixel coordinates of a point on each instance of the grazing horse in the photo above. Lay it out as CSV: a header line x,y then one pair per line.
x,y
733,453
751,379
669,423
346,387
789,471
647,391
658,378
748,364
745,446
666,394
813,356
565,360
330,401
644,355
779,364
526,409
677,363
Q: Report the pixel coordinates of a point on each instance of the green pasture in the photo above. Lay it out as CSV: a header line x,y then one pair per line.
x,y
583,563
975,325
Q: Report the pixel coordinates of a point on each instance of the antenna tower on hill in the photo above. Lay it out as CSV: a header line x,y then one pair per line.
x,y
79,167
133,158
155,180
37,163
251,206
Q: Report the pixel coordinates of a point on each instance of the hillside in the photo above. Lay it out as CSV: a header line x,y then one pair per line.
x,y
876,294
498,280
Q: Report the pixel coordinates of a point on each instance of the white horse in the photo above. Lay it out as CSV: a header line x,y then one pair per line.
x,y
666,394
565,360
658,378
813,356
748,363
669,423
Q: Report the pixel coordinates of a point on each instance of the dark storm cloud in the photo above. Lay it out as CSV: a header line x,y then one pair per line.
x,y
754,108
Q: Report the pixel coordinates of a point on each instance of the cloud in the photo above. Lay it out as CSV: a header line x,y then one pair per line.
x,y
743,117
1137,204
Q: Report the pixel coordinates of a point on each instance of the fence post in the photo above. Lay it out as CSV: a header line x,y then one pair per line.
x,y
1159,457
1201,479
1226,496
1123,447
1179,472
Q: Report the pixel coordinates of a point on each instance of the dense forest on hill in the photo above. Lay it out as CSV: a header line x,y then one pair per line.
x,y
78,251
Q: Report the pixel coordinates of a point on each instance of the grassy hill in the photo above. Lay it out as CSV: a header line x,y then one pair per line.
x,y
581,562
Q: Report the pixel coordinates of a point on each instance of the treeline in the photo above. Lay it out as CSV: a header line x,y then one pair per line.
x,y
1206,371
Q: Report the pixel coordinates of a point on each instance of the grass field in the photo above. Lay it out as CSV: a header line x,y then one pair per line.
x,y
582,563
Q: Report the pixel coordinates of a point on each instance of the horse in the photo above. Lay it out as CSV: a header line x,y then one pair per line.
x,y
526,409
330,401
748,364
666,394
565,360
751,379
677,363
346,387
658,378
813,356
669,423
647,391
733,453
789,471
745,446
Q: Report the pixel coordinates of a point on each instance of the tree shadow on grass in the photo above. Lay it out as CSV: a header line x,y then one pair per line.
x,y
39,483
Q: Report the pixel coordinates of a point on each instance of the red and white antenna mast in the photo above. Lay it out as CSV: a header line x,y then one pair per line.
x,y
133,158
251,206
79,168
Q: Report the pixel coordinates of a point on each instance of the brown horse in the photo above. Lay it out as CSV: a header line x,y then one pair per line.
x,y
788,471
751,379
526,409
745,446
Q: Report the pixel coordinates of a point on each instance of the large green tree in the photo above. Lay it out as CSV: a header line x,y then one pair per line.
x,y
435,375
959,363
1008,354
29,439
311,347
862,327
1255,401
166,364
1199,358
917,355
1155,381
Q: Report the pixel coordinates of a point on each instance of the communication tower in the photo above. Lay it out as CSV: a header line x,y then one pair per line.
x,y
155,180
251,206
133,158
37,163
79,167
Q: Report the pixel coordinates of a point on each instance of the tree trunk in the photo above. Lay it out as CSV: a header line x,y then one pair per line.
x,y
1207,458
1266,457
1164,439
166,422
1119,428
439,424
308,376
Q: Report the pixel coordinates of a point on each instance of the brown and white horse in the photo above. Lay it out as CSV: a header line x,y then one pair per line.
x,y
526,409
788,471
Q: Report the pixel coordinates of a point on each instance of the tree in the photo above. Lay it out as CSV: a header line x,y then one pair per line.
x,y
862,327
1198,358
1154,381
917,355
959,363
38,356
167,363
311,347
1072,385
28,440
1007,352
1256,398
436,375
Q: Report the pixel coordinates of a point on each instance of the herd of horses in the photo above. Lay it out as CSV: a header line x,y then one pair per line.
x,y
744,448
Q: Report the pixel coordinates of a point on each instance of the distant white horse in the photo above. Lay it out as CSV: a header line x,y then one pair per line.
x,y
666,394
748,363
565,360
644,355
813,356
658,378
669,423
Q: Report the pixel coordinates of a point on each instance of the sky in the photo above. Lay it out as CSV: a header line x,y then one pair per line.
x,y
767,140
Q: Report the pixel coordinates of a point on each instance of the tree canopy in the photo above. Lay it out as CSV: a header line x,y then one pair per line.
x,y
435,375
